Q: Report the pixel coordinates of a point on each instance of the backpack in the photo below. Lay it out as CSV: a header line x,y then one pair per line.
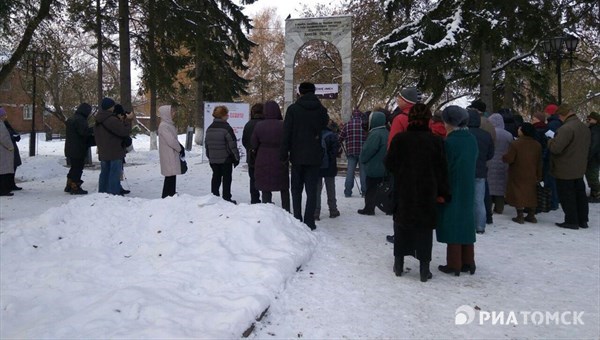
x,y
325,160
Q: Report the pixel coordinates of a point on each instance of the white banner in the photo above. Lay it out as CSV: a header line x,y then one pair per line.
x,y
324,91
239,115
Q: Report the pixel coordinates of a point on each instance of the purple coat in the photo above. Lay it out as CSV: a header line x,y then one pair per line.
x,y
498,170
270,174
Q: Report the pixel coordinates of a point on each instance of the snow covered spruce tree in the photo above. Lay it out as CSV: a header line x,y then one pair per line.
x,y
470,41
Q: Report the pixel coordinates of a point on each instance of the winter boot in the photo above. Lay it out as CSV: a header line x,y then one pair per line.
x,y
530,216
68,186
334,213
448,270
398,265
498,204
519,219
76,189
469,268
424,271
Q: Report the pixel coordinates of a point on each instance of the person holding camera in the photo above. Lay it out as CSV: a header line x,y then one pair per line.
x,y
222,152
110,131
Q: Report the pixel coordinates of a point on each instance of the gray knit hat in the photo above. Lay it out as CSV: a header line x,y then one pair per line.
x,y
410,94
455,115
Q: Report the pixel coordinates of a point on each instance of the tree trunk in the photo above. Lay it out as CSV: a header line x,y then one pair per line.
x,y
99,38
153,70
486,81
42,13
199,139
124,54
508,89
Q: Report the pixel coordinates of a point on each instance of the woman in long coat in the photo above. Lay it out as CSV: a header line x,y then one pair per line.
x,y
456,220
524,157
498,170
169,150
270,174
417,160
7,157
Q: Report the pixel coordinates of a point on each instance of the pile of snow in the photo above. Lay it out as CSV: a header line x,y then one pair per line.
x,y
111,267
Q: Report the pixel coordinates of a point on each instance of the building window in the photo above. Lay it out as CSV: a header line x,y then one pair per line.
x,y
27,112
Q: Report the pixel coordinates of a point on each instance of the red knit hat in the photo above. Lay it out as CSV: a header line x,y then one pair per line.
x,y
551,109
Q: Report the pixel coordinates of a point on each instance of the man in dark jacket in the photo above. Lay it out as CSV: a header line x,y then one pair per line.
x,y
553,122
568,162
304,121
485,146
79,137
593,165
256,115
109,132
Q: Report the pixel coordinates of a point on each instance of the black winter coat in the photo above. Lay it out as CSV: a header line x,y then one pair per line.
x,y
332,145
79,135
302,127
417,160
594,155
247,140
485,144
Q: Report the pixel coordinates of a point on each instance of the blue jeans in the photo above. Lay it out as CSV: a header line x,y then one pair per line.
x,y
110,176
479,210
349,184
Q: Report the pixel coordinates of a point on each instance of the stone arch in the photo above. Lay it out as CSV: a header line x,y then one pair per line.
x,y
336,30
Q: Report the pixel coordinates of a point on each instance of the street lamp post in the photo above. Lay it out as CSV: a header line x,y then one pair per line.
x,y
554,48
34,60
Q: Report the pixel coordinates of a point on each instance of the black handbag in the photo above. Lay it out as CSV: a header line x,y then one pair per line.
x,y
384,195
544,199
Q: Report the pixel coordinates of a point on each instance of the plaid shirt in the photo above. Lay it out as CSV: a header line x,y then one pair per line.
x,y
353,135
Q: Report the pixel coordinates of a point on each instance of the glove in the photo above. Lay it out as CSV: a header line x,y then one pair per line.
x,y
236,163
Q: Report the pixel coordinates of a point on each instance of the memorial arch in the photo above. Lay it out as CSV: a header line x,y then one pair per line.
x,y
336,30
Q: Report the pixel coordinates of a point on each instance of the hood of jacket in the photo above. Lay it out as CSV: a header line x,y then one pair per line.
x,y
84,109
376,120
271,110
102,115
474,118
309,101
165,114
497,121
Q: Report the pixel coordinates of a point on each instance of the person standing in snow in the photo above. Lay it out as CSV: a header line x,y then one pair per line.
x,y
169,150
270,174
553,123
524,157
591,174
301,146
485,145
110,131
79,137
406,99
7,157
15,137
498,170
354,136
371,157
569,150
456,219
256,115
328,171
417,160
222,152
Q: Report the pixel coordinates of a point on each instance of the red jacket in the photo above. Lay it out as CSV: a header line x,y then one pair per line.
x,y
437,128
399,124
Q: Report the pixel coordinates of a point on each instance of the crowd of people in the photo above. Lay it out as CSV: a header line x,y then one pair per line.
x,y
452,169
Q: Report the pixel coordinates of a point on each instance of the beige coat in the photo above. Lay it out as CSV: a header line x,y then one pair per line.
x,y
524,158
569,149
7,156
168,145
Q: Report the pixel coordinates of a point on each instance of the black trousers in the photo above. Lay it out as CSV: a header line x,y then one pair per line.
x,y
573,200
305,177
371,194
169,186
414,242
76,169
221,173
5,184
254,194
267,197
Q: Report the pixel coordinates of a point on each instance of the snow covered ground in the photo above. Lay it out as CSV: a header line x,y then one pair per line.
x,y
194,266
